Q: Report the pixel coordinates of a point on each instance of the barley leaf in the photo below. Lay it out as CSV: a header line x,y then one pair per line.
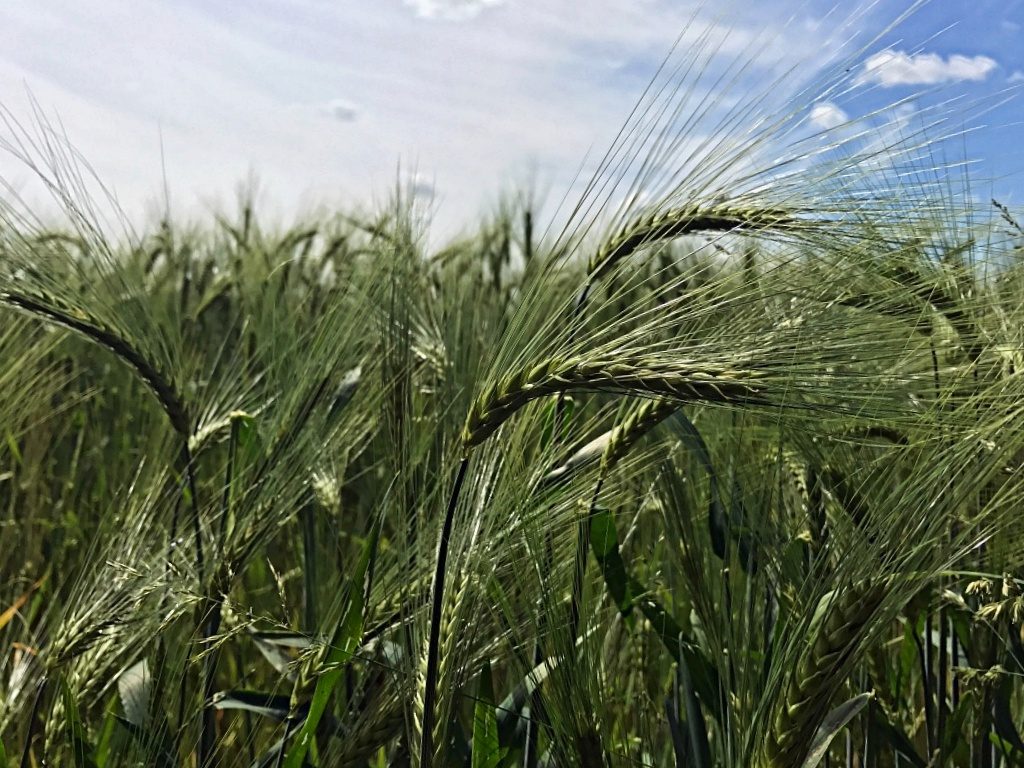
x,y
955,746
896,739
269,645
486,749
1002,719
134,686
702,673
680,744
695,725
604,542
718,524
834,722
628,593
273,706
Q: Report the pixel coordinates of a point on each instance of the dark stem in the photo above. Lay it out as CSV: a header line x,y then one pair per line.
x,y
929,676
580,570
208,735
679,744
530,738
210,621
527,236
436,604
954,663
929,717
943,669
26,760
197,528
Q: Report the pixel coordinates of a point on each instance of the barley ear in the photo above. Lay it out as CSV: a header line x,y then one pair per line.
x,y
677,382
816,677
162,386
637,423
676,222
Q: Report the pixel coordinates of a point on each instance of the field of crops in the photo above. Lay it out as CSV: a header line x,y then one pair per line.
x,y
724,469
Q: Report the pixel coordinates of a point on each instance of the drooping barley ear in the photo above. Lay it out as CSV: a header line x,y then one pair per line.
x,y
359,746
947,303
162,386
609,447
819,672
676,222
631,429
680,383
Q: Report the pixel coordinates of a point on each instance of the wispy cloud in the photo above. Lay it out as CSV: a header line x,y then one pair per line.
x,y
827,115
1016,77
452,10
324,101
891,68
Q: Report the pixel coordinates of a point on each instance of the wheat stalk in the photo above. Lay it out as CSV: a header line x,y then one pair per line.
x,y
431,661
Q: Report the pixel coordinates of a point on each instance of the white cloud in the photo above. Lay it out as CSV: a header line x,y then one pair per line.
x,y
827,115
341,110
421,187
890,68
452,10
1016,77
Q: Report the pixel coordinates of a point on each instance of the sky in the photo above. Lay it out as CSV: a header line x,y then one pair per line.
x,y
333,102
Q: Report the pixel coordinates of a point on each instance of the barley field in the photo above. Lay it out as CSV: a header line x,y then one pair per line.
x,y
722,465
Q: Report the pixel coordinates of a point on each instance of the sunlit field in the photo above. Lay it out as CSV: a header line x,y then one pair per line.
x,y
719,462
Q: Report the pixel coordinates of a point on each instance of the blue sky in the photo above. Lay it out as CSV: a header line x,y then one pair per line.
x,y
329,101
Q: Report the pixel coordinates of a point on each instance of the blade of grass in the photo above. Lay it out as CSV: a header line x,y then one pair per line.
x,y
344,642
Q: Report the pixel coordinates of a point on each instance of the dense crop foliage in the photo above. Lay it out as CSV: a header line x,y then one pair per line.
x,y
729,476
